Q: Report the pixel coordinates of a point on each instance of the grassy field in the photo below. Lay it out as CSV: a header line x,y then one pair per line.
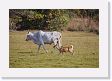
x,y
24,54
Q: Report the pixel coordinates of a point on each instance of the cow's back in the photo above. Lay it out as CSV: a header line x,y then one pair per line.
x,y
47,37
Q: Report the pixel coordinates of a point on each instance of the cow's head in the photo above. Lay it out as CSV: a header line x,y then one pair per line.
x,y
28,36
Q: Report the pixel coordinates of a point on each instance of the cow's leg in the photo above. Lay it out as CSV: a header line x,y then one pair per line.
x,y
39,48
45,49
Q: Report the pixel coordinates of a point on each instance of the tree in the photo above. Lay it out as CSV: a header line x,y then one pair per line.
x,y
50,19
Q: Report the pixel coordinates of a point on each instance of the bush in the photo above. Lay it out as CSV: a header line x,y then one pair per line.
x,y
54,19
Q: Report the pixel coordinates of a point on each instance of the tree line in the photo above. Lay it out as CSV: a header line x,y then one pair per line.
x,y
54,19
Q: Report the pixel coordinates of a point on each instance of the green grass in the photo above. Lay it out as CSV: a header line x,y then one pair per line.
x,y
24,54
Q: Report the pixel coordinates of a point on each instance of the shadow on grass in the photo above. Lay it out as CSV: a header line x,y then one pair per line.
x,y
30,53
25,52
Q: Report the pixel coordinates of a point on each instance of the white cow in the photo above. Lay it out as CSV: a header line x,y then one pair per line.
x,y
41,38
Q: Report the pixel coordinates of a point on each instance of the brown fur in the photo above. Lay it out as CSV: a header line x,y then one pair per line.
x,y
66,49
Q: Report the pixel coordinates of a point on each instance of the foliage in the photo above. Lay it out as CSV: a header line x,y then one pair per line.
x,y
50,19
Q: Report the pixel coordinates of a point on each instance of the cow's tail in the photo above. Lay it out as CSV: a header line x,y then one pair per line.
x,y
60,41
